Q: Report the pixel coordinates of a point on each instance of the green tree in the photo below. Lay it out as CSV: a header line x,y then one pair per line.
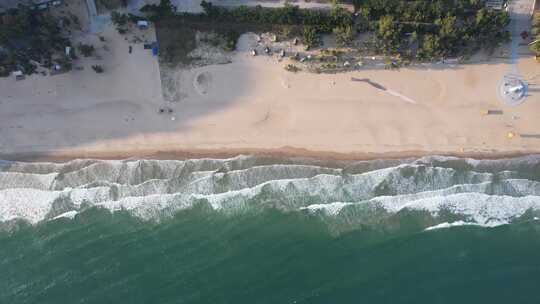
x,y
311,36
344,35
430,48
448,35
339,15
86,50
389,32
535,47
119,19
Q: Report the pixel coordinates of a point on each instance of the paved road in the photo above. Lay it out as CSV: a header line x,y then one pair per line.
x,y
97,22
520,15
92,10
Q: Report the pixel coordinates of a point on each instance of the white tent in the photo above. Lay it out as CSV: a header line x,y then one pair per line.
x,y
142,24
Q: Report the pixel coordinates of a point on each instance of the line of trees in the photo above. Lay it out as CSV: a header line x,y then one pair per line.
x,y
434,29
314,22
288,14
412,29
535,33
27,35
442,32
416,10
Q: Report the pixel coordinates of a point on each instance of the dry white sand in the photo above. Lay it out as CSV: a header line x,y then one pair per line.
x,y
253,104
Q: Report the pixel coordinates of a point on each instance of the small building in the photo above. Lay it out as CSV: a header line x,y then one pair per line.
x,y
18,75
494,4
143,24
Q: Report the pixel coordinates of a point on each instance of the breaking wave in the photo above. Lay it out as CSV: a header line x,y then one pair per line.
x,y
448,189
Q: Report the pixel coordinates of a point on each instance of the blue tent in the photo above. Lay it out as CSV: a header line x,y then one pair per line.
x,y
155,50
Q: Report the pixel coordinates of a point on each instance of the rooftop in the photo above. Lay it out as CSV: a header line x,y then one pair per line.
x,y
9,4
495,4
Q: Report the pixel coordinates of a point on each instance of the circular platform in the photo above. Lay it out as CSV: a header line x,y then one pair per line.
x,y
512,90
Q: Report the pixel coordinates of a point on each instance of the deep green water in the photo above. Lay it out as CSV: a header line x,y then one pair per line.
x,y
203,256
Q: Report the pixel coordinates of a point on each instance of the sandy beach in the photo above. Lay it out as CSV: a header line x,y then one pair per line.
x,y
253,105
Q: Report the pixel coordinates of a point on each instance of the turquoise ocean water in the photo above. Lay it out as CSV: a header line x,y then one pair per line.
x,y
262,230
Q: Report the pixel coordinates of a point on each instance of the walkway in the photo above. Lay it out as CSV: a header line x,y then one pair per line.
x,y
512,89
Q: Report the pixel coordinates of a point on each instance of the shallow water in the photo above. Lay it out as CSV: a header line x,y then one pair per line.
x,y
261,230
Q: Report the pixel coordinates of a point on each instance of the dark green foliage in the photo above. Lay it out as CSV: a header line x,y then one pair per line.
x,y
427,30
86,50
344,35
389,32
444,28
231,37
292,68
311,37
119,19
156,12
535,33
111,4
27,35
286,15
431,48
97,68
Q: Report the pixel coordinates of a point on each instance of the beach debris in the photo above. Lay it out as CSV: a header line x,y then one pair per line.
x,y
165,110
492,112
292,68
282,53
359,63
302,59
510,135
274,38
267,50
346,64
295,41
309,57
253,52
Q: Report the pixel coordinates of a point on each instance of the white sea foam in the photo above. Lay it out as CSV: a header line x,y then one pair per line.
x,y
68,215
481,208
454,224
485,192
329,209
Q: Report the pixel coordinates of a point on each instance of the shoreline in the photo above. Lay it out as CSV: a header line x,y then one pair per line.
x,y
278,153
